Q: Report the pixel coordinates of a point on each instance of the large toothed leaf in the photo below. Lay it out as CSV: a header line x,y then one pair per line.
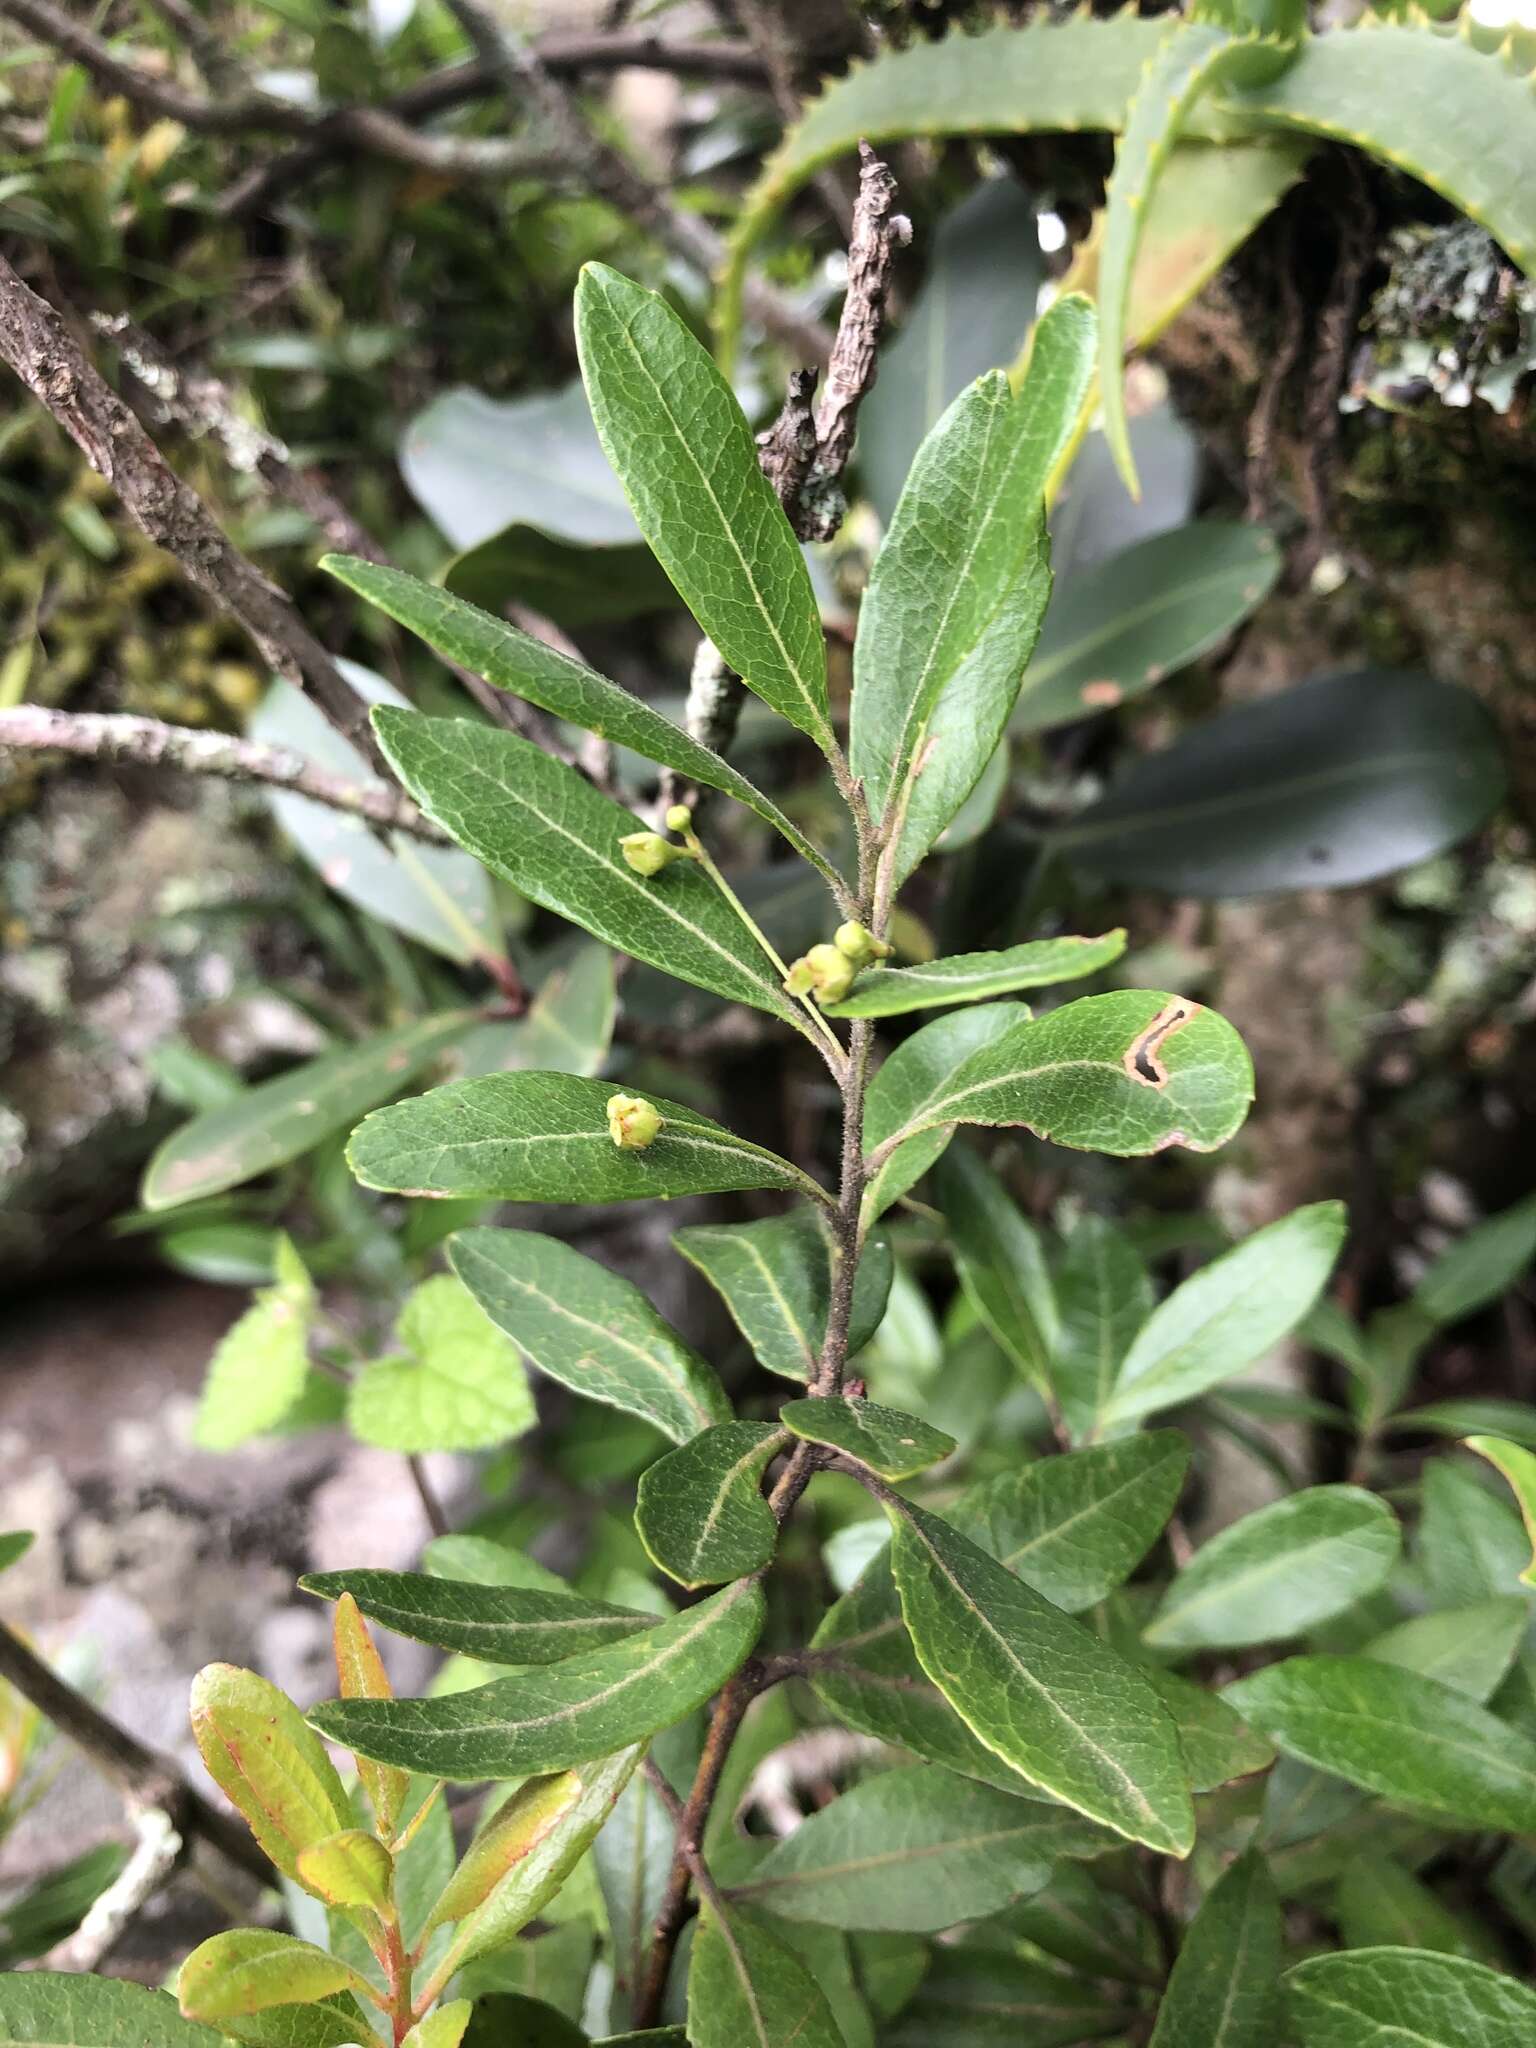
x,y
497,1624
775,1277
748,1989
1229,1313
1224,1989
1052,1700
259,1368
545,1138
59,2009
557,683
551,1719
1392,1997
966,526
1397,1734
1000,1260
250,1968
914,1851
1129,1073
700,1510
456,1385
589,1328
681,447
888,1442
916,1074
262,1756
971,977
553,836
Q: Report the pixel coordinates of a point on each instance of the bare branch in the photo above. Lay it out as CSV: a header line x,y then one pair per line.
x,y
877,235
156,1852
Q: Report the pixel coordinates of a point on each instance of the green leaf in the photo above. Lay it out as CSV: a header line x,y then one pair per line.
x,y
684,453
965,529
14,1545
1279,1571
1480,1267
587,1327
348,1869
551,1719
1128,1074
251,1968
1378,1904
496,1624
968,977
987,1998
1049,1698
1103,1296
506,2016
279,1120
1515,1420
1229,1313
747,1989
1337,781
916,1074
1217,1746
1470,1544
1518,1466
1468,1648
262,1757
545,1138
633,1860
888,1442
775,1277
1120,627
443,2028
1000,1260
576,586
1403,1737
260,1365
914,1851
460,1386
546,830
700,1510
59,2009
568,689
568,1028
433,894
335,2025
1379,1997
1224,1990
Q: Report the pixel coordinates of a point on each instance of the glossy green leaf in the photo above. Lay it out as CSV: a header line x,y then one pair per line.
x,y
748,1989
551,1719
1129,1073
914,1851
460,1385
251,1968
1380,1997
1479,1267
987,1998
1130,620
965,529
260,1365
434,894
971,977
1337,781
545,1138
1470,1543
684,453
589,1328
700,1510
1216,1744
1229,1313
1379,1904
1467,1648
261,1756
503,2016
568,689
1518,1467
1224,1989
895,1445
348,1869
1103,1296
1391,1732
59,2009
1000,1260
546,830
1279,1571
914,1075
775,1277
496,1624
279,1120
1049,1698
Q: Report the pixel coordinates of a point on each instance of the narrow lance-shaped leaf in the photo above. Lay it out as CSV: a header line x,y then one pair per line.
x,y
700,1510
557,683
496,1624
561,1716
588,1328
1383,1997
361,1675
1518,1466
1103,1296
684,453
1000,1261
748,1989
251,1968
1224,1990
545,1138
971,977
890,1443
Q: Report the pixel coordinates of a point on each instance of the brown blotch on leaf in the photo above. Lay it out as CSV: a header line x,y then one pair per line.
x,y
1142,1061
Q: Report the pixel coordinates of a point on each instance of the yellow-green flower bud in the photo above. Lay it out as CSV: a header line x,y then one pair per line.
x,y
679,819
647,852
823,972
856,942
633,1122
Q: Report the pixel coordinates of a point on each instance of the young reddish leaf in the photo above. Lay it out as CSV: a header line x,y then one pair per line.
x,y
360,1675
251,1968
262,1755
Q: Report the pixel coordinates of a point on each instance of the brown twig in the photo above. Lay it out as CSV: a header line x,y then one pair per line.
x,y
426,1493
146,1778
1335,327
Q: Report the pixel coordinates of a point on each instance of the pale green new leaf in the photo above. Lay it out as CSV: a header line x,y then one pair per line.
x,y
62,2009
894,1445
1224,1989
352,1868
1103,1296
262,1757
251,1968
1229,1313
459,1387
684,453
748,1989
589,1328
1052,1700
1000,1260
971,977
545,1138
915,1074
1280,1571
442,2028
1469,1541
1393,1997
1467,1648
496,1624
700,1510
566,1713
260,1365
